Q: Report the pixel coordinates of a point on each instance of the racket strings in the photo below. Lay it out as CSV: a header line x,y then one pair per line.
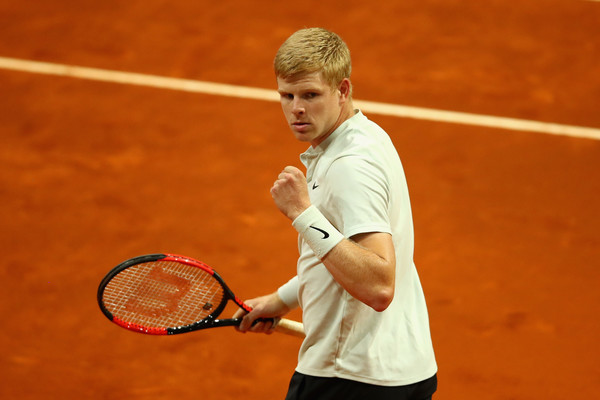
x,y
163,294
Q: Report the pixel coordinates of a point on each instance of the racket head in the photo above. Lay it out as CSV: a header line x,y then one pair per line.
x,y
164,294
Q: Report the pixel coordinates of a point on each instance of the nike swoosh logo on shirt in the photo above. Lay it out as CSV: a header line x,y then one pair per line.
x,y
325,234
315,185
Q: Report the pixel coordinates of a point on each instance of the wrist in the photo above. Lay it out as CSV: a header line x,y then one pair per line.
x,y
288,293
317,231
292,215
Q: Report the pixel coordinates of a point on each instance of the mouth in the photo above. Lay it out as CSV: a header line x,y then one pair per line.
x,y
300,126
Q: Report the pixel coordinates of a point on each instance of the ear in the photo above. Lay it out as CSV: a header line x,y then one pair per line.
x,y
345,89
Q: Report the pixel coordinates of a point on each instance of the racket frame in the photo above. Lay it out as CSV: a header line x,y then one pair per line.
x,y
210,321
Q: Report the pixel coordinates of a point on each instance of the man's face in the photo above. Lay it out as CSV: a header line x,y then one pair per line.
x,y
312,108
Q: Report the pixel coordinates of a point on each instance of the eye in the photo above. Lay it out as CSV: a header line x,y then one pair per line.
x,y
287,96
310,95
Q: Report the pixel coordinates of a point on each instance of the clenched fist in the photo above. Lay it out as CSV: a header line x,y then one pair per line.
x,y
290,192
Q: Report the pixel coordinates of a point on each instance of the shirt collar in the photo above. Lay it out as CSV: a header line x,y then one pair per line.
x,y
313,152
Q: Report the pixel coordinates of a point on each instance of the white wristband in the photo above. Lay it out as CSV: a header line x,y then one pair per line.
x,y
317,231
288,293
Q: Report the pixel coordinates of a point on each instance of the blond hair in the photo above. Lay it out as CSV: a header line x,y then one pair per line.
x,y
314,50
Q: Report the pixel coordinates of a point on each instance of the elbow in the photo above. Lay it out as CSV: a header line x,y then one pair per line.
x,y
382,299
382,294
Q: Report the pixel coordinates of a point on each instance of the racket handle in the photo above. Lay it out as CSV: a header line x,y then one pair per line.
x,y
290,327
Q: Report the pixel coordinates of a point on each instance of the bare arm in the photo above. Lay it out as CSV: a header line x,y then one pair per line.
x,y
365,267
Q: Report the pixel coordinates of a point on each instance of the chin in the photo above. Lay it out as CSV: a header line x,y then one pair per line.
x,y
301,136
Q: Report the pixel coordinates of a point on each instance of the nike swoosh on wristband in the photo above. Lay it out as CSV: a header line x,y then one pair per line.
x,y
325,234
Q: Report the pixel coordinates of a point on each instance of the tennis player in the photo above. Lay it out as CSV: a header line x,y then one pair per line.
x,y
363,308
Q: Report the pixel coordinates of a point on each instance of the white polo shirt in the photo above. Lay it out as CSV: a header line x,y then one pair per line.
x,y
355,178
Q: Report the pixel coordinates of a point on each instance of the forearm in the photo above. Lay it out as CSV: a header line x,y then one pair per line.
x,y
362,272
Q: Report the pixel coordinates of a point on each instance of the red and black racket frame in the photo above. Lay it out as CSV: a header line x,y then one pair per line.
x,y
209,321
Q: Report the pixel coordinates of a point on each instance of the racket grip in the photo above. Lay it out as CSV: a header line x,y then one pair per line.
x,y
290,327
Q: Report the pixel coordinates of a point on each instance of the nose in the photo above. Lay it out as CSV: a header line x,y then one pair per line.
x,y
298,107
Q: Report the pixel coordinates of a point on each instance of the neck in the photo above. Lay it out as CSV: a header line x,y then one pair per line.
x,y
346,113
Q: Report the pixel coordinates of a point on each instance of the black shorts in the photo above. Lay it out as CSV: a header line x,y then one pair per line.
x,y
305,387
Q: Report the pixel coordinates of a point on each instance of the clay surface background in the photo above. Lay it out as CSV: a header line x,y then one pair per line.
x,y
93,173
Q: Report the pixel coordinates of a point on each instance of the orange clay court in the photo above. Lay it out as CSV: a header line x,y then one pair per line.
x,y
94,171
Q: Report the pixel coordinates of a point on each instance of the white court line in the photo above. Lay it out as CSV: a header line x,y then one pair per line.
x,y
220,89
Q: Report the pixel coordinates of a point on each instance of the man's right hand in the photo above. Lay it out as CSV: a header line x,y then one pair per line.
x,y
269,306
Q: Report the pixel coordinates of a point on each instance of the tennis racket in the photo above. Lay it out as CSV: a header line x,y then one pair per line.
x,y
167,294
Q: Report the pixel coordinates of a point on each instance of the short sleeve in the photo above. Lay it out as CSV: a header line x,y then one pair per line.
x,y
358,196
